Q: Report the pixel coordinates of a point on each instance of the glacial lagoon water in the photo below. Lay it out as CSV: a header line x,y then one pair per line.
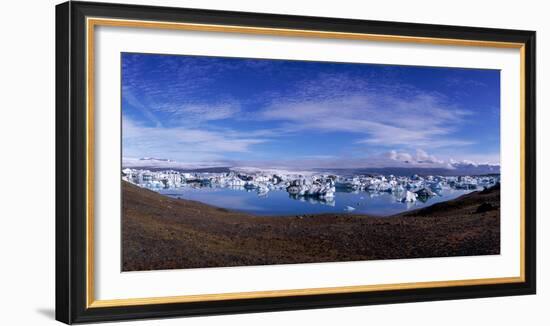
x,y
281,203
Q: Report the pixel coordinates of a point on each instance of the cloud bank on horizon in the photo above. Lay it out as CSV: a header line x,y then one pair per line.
x,y
211,111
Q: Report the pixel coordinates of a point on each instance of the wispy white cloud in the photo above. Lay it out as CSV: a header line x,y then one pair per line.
x,y
421,158
184,144
392,122
131,99
194,113
394,155
385,116
390,159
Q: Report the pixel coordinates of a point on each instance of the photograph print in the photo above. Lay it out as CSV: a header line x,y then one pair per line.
x,y
243,161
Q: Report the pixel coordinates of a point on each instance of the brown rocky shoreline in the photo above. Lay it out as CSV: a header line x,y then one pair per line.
x,y
160,232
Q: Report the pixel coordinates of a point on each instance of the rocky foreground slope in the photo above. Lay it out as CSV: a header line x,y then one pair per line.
x,y
159,232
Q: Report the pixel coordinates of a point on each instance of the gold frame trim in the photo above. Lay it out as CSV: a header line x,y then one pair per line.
x,y
92,22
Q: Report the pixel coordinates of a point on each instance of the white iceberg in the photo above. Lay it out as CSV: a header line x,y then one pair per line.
x,y
410,197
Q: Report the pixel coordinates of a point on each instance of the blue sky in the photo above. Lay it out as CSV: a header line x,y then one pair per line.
x,y
255,112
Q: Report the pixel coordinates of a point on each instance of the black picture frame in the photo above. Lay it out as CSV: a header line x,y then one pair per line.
x,y
71,158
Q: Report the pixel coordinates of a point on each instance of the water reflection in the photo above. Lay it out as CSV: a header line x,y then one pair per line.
x,y
329,201
281,203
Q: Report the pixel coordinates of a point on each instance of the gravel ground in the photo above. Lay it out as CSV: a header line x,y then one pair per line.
x,y
160,232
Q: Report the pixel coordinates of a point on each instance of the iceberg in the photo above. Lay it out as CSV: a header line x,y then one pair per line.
x,y
424,192
321,189
410,197
309,186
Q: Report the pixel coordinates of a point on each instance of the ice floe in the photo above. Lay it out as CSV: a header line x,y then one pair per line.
x,y
311,186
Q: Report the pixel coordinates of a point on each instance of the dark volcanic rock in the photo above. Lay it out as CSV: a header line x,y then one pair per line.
x,y
485,207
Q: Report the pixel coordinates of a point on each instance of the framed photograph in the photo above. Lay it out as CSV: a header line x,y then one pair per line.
x,y
212,162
